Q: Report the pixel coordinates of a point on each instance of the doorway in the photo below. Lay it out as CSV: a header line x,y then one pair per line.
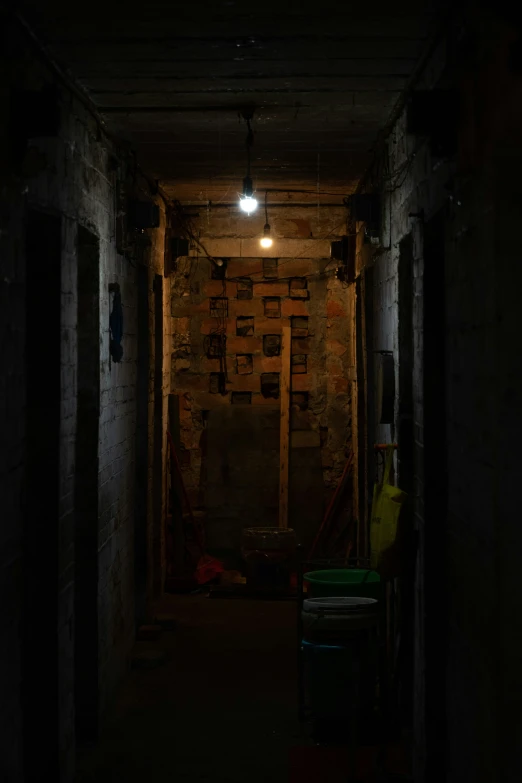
x,y
370,417
86,488
158,481
41,533
142,446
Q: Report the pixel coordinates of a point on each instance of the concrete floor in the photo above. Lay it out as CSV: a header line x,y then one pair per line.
x,y
222,708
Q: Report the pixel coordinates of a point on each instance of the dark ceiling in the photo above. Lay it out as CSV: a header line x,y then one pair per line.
x,y
173,78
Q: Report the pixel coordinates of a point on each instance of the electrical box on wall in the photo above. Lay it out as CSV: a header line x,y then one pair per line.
x,y
343,250
435,115
337,249
143,214
366,208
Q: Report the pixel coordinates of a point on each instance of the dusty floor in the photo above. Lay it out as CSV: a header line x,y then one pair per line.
x,y
222,708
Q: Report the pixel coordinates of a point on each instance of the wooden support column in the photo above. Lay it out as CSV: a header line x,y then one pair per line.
x,y
286,351
352,325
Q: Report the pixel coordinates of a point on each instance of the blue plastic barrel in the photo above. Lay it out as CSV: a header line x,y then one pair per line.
x,y
340,655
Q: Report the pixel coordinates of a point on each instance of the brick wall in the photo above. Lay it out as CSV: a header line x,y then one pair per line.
x,y
72,175
259,295
463,319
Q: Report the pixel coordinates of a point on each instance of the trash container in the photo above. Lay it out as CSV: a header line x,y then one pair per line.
x,y
268,554
360,582
340,654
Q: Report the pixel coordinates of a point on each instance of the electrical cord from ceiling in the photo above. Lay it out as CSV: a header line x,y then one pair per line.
x,y
249,140
85,100
154,187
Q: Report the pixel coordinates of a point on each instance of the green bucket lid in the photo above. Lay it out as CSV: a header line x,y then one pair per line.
x,y
342,576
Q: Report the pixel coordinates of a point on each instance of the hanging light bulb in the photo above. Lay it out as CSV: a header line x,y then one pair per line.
x,y
247,202
266,239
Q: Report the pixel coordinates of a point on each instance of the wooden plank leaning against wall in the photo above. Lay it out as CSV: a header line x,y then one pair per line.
x,y
284,437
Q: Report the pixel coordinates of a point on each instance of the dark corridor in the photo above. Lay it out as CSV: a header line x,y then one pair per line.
x,y
260,392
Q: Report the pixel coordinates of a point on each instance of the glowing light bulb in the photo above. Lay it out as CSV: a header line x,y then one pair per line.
x,y
248,204
266,239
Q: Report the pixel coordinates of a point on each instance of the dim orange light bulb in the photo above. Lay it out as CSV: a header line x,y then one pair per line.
x,y
266,239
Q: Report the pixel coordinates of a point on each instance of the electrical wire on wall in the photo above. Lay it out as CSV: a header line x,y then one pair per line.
x,y
186,229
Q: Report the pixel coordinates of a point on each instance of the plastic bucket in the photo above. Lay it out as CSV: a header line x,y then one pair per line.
x,y
356,582
340,655
268,552
338,620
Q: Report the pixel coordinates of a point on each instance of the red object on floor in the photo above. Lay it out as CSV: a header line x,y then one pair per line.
x,y
207,569
314,764
328,765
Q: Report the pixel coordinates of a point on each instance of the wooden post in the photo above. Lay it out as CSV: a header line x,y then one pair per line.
x,y
177,533
284,437
352,325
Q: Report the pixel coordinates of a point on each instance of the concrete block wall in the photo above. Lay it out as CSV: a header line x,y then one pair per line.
x,y
320,344
71,175
475,192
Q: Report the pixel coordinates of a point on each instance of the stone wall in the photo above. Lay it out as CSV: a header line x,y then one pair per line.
x,y
456,210
294,282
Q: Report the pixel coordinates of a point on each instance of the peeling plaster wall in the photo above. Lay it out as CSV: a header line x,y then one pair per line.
x,y
302,245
